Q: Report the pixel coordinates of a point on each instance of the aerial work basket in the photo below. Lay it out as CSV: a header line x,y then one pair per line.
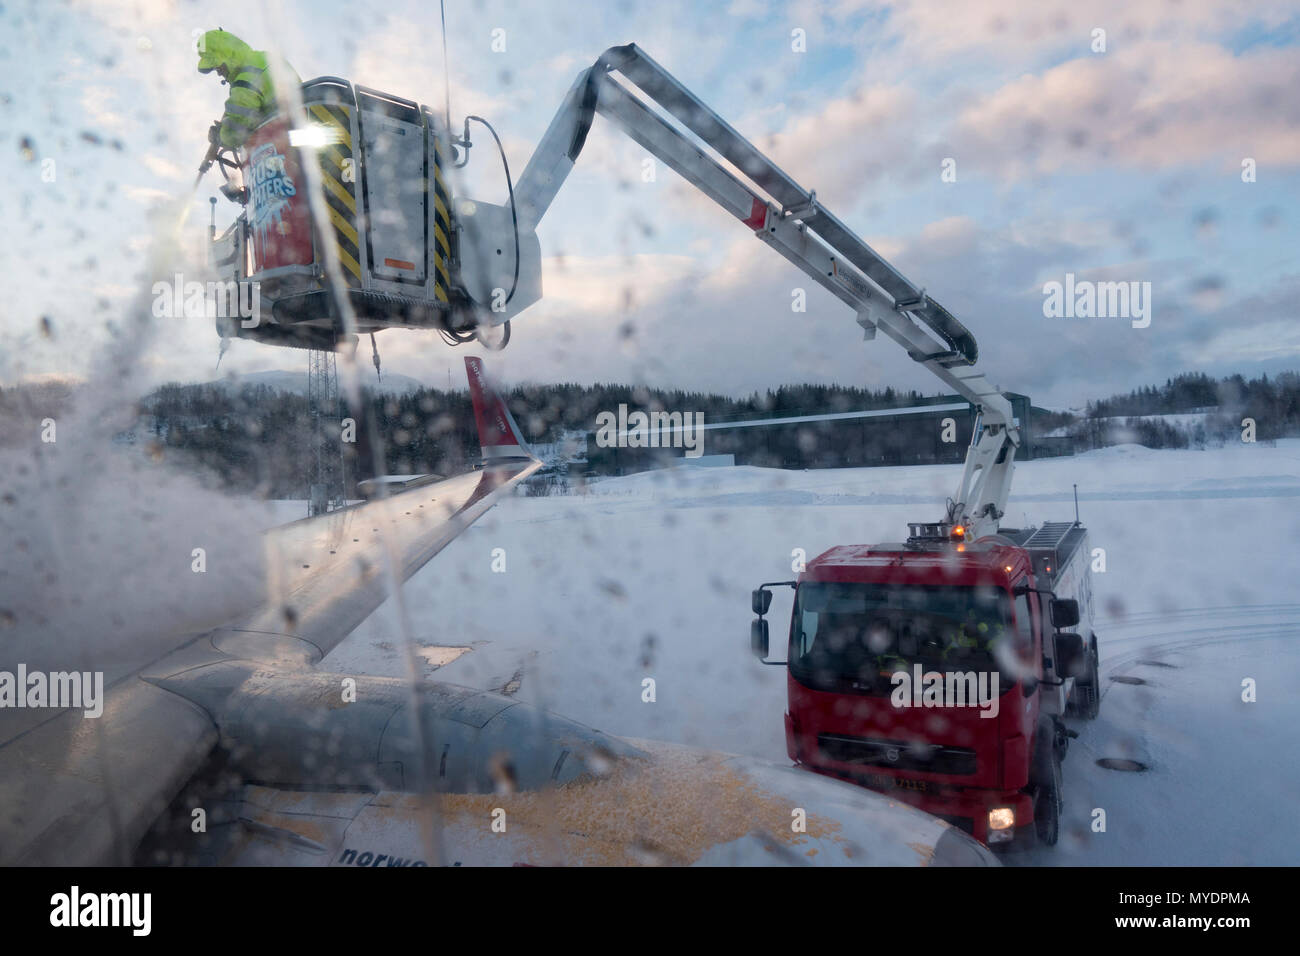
x,y
387,209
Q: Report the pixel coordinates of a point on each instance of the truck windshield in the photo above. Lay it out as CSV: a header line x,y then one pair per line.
x,y
852,637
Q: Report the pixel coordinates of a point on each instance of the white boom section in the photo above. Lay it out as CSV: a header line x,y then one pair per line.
x,y
791,221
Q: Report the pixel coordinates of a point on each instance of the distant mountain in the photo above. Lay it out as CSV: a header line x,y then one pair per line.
x,y
285,381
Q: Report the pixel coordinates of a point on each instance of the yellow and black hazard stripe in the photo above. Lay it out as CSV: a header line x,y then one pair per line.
x,y
441,227
339,174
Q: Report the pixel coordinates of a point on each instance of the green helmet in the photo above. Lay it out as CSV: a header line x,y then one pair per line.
x,y
218,48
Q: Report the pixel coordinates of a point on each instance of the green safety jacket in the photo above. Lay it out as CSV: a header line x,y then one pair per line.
x,y
252,94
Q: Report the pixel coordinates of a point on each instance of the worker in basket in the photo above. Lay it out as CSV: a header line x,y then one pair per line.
x,y
252,92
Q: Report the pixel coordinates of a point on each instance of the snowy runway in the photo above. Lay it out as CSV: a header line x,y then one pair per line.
x,y
1221,783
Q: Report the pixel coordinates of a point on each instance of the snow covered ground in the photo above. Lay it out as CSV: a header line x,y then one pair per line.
x,y
1222,784
649,577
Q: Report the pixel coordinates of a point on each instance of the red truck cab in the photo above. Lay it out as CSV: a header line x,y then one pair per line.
x,y
937,673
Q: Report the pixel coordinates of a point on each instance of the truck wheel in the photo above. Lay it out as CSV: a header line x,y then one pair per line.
x,y
1045,783
1085,702
1093,703
1047,807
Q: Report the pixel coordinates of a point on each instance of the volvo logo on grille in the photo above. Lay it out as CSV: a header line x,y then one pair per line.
x,y
891,754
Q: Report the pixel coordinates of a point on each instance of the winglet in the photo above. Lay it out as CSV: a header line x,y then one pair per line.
x,y
498,435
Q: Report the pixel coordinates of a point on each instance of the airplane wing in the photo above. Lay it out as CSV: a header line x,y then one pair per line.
x,y
653,803
84,791
330,572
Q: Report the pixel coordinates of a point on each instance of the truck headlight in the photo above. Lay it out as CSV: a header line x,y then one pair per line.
x,y
1002,818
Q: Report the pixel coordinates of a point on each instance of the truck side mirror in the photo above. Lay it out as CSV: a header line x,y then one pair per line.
x,y
1065,612
758,636
1069,655
761,600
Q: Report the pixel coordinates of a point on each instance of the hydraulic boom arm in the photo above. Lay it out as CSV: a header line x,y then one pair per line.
x,y
790,220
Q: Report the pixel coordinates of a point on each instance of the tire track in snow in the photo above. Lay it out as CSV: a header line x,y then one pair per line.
x,y
1136,726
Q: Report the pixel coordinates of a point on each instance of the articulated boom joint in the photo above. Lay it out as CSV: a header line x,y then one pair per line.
x,y
805,211
918,301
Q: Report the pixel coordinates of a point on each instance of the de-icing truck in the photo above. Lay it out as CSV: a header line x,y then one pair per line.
x,y
938,670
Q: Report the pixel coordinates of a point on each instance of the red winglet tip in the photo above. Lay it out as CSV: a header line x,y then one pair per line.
x,y
498,435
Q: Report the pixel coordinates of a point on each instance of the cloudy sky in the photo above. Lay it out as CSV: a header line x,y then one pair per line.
x,y
1125,165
